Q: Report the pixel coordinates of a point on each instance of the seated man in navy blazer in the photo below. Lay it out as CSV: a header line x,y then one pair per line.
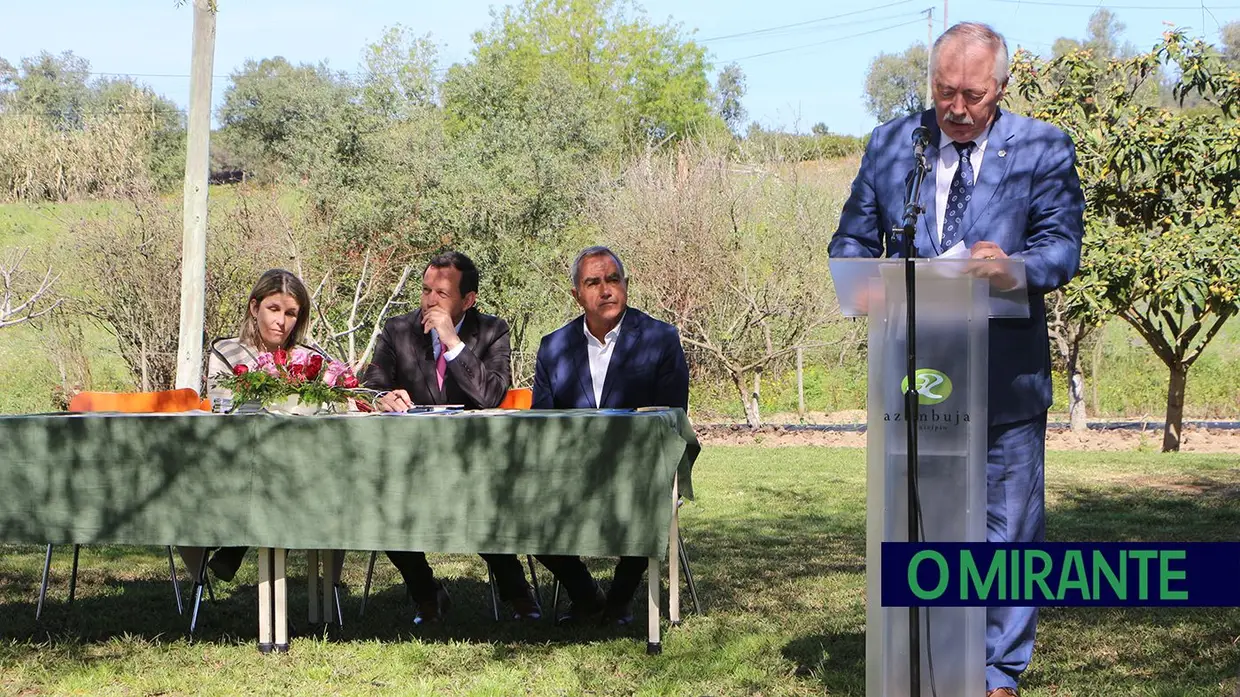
x,y
611,357
446,352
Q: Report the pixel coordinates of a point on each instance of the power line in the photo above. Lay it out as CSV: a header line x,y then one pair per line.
x,y
1101,6
822,43
361,73
801,24
837,25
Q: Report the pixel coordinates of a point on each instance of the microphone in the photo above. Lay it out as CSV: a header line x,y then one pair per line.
x,y
921,138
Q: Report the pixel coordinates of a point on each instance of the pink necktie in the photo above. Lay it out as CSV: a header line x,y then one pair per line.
x,y
441,367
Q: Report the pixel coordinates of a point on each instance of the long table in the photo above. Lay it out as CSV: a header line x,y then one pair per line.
x,y
593,483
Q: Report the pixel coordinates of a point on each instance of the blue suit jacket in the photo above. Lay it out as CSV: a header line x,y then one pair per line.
x,y
1027,200
647,367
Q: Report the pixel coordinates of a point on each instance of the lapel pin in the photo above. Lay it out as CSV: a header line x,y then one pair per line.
x,y
1003,153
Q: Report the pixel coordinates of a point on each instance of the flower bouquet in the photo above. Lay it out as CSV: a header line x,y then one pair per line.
x,y
297,382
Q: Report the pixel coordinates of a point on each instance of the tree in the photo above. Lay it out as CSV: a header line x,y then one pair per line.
x,y
399,74
735,261
1103,36
649,79
52,88
287,119
1230,36
20,301
1102,39
164,125
1074,313
729,90
1063,46
525,153
895,83
129,265
820,129
1163,184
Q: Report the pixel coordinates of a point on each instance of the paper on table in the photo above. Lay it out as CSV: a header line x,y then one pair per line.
x,y
957,251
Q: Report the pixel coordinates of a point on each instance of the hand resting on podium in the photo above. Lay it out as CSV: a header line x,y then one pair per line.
x,y
996,273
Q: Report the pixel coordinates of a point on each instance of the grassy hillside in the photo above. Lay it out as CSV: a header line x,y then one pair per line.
x,y
1124,378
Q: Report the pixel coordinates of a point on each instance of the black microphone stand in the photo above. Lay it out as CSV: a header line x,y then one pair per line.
x,y
908,229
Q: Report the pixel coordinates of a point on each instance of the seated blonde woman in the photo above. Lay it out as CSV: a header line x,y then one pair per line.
x,y
276,317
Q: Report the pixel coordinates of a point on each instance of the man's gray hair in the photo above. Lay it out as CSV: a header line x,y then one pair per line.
x,y
975,33
595,251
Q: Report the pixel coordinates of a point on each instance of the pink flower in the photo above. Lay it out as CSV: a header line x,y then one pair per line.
x,y
267,364
298,356
332,373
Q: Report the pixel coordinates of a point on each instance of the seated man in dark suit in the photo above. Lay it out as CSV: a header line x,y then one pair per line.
x,y
447,352
612,357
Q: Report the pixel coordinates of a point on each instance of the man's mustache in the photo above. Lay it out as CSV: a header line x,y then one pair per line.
x,y
962,119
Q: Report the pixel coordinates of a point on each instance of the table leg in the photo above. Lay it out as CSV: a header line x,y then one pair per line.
x,y
265,619
280,592
312,585
673,558
326,556
653,579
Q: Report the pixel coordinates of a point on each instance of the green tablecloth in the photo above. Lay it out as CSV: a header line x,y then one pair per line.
x,y
558,482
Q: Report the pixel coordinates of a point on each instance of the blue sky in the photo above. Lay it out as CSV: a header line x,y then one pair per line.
x,y
796,76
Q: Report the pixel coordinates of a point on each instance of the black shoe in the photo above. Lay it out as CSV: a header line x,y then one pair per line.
x,y
619,615
526,608
223,568
433,610
580,613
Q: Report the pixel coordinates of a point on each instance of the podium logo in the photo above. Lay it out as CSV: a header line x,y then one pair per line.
x,y
933,386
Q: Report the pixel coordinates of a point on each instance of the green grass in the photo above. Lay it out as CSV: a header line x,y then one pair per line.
x,y
1122,380
777,541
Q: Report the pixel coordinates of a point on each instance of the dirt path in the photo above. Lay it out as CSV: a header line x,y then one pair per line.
x,y
1195,440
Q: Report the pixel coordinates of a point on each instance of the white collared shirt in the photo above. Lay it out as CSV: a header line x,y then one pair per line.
x,y
452,353
949,160
600,357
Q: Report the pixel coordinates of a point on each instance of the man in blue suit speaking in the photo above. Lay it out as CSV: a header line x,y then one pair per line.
x,y
1003,186
611,357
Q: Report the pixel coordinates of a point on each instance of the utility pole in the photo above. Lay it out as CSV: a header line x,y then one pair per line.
x,y
944,15
194,238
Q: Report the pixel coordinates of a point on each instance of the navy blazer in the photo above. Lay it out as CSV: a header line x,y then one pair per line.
x,y
1027,200
647,367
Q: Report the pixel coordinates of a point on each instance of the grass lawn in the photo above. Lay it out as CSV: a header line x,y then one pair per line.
x,y
777,544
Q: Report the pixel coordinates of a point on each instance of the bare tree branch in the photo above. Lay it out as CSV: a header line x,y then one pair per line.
x,y
378,327
13,309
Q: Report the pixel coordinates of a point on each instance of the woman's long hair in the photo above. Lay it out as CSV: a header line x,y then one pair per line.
x,y
270,283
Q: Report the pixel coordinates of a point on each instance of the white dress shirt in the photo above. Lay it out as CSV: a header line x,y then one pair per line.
x,y
600,357
452,353
949,160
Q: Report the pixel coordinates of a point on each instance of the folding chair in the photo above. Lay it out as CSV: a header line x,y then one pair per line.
x,y
684,567
166,401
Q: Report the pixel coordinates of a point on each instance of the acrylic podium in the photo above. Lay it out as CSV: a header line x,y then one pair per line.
x,y
953,310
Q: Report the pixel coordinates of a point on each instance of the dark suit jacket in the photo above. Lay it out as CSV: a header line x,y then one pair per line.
x,y
647,367
479,377
1027,200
